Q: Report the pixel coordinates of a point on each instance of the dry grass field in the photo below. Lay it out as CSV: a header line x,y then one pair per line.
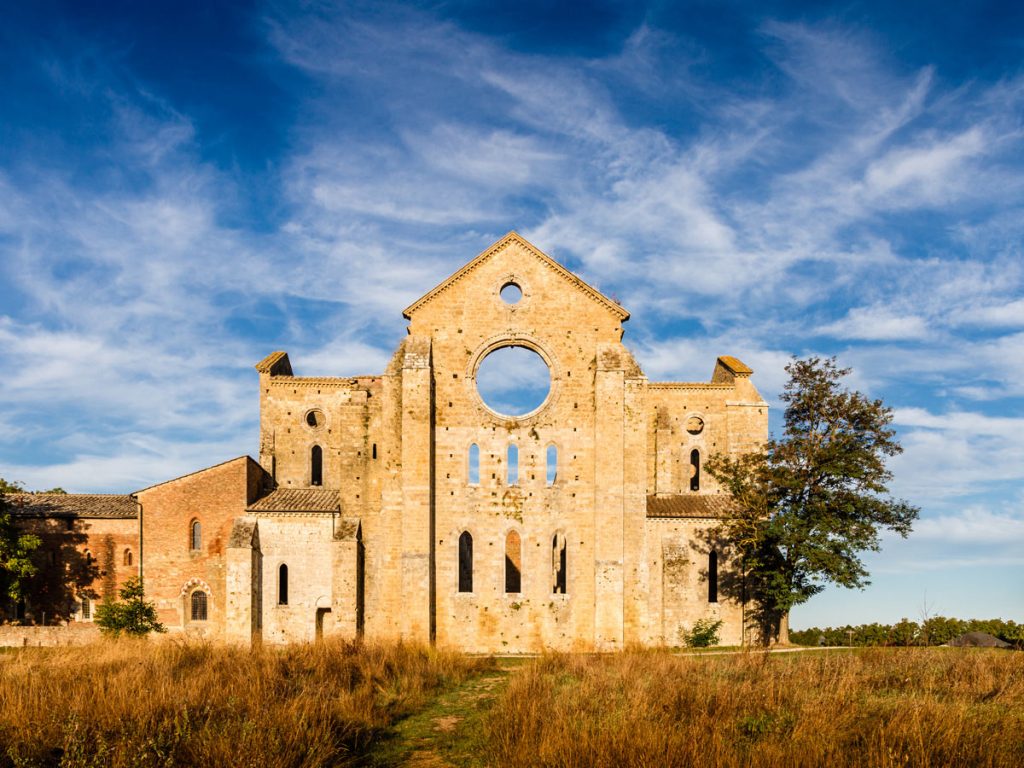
x,y
922,707
168,704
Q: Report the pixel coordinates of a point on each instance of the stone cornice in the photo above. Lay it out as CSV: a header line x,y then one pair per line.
x,y
690,385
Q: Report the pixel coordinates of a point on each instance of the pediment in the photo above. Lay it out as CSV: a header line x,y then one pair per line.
x,y
501,249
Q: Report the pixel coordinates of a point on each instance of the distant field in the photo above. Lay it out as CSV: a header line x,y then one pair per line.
x,y
333,705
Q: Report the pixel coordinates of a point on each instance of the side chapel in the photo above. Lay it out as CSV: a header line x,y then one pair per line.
x,y
403,505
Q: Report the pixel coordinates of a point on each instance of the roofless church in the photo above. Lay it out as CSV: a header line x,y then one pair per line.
x,y
404,504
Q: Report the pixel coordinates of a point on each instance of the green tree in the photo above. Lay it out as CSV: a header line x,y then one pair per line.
x,y
810,503
16,548
132,614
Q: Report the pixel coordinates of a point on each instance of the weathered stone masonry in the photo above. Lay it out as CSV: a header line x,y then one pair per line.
x,y
366,513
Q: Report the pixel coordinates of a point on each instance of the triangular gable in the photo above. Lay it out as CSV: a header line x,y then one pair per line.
x,y
515,237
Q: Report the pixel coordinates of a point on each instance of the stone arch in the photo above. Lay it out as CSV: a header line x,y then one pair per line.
x,y
190,603
559,563
551,463
465,562
513,561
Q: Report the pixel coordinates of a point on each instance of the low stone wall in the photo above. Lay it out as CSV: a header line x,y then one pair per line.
x,y
76,633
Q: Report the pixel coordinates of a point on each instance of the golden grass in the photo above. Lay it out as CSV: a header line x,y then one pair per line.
x,y
176,704
941,707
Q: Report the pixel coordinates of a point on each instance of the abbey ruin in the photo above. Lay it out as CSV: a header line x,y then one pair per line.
x,y
403,504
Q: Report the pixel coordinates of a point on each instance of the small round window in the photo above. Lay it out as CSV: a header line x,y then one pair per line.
x,y
511,293
695,425
315,419
513,381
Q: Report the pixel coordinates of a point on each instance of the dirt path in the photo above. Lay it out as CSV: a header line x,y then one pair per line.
x,y
447,733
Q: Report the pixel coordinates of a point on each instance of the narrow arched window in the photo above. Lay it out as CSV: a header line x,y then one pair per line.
x,y
513,562
127,557
465,562
282,584
199,604
558,564
552,464
694,470
513,464
316,466
713,577
474,464
196,537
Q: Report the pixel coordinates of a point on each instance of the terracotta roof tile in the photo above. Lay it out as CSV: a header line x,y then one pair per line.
x,y
298,500
690,505
110,505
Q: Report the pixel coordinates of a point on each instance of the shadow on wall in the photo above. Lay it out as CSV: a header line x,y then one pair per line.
x,y
65,572
723,574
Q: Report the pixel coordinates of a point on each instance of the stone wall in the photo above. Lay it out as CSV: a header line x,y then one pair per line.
x,y
75,633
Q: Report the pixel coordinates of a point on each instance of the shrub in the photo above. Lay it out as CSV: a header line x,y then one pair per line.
x,y
704,633
134,615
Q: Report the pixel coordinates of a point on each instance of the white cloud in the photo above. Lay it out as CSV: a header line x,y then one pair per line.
x,y
877,324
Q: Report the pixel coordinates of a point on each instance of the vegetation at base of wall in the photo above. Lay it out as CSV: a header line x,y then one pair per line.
x,y
878,707
131,615
935,630
703,634
134,703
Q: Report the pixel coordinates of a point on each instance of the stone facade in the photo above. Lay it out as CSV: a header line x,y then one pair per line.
x,y
385,505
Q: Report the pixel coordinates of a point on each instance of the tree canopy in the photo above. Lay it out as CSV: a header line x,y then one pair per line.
x,y
811,502
16,548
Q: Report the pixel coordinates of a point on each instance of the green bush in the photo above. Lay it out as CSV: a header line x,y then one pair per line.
x,y
704,634
133,615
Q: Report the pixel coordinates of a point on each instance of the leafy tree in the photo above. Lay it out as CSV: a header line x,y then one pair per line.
x,y
132,615
16,548
810,503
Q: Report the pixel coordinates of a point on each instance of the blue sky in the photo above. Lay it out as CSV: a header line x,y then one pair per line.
x,y
187,186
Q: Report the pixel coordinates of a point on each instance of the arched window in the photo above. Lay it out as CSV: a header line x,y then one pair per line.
x,y
316,466
465,562
694,470
127,557
196,537
513,563
474,464
199,605
713,577
513,464
552,464
282,585
558,564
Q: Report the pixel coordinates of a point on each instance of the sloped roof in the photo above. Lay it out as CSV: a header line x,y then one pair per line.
x,y
735,365
298,500
691,505
98,505
515,237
